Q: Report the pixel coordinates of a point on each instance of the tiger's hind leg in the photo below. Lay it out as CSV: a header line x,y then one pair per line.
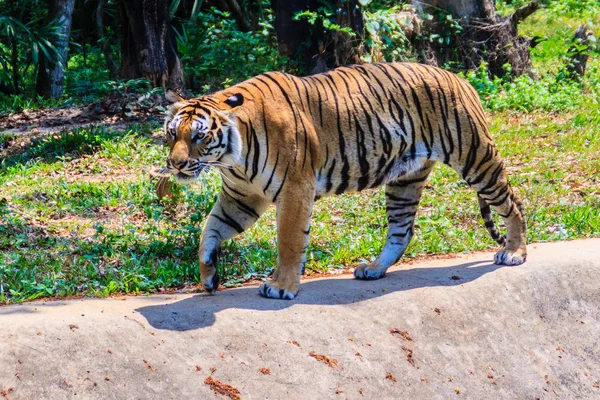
x,y
493,188
402,199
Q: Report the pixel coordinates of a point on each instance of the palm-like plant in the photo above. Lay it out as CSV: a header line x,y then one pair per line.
x,y
26,45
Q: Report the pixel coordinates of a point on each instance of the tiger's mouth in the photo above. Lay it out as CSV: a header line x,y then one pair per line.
x,y
188,176
184,179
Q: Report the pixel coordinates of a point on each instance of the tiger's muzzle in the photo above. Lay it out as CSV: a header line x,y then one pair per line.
x,y
185,172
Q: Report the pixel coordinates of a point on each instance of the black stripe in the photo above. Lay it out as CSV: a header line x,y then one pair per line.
x,y
236,175
362,154
225,184
499,202
329,176
298,92
404,183
256,153
258,78
264,115
249,146
287,98
399,234
358,85
227,220
215,233
243,206
282,183
342,142
492,181
272,174
364,74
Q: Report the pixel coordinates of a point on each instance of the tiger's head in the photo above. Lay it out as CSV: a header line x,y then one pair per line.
x,y
201,133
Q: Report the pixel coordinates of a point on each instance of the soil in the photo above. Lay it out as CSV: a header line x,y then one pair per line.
x,y
121,109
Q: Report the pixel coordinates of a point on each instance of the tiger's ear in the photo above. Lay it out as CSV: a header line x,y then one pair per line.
x,y
173,97
177,101
235,100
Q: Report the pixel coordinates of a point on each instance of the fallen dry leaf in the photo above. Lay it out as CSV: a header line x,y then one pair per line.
x,y
163,187
5,392
390,377
403,334
332,362
409,355
223,388
265,371
149,366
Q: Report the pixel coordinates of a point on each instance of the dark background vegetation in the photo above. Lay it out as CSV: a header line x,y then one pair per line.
x,y
86,48
81,105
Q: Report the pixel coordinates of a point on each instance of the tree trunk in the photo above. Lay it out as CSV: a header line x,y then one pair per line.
x,y
312,45
149,46
108,58
485,36
238,15
50,81
578,53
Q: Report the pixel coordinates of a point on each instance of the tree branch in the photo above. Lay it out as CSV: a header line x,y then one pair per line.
x,y
521,13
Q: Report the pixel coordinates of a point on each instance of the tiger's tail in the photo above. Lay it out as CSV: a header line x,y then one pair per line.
x,y
486,214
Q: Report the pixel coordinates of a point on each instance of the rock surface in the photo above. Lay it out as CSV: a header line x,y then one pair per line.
x,y
454,328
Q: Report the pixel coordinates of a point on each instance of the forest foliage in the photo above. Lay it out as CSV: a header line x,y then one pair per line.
x,y
216,53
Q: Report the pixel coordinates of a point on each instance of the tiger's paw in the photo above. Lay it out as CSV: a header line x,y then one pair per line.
x,y
505,257
368,272
277,290
211,284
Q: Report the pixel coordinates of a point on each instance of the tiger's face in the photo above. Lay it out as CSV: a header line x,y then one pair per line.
x,y
201,134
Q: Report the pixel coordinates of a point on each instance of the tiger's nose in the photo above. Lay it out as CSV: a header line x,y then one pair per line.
x,y
178,164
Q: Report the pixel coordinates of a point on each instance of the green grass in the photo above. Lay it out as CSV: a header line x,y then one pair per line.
x,y
79,216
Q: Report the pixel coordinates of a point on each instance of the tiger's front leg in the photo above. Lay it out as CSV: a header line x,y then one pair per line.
x,y
294,210
231,215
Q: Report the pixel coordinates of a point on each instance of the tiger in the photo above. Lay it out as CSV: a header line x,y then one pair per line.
x,y
277,139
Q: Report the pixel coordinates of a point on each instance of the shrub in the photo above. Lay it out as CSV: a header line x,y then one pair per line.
x,y
215,54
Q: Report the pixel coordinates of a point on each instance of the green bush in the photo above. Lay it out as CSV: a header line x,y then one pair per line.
x,y
385,39
551,92
215,54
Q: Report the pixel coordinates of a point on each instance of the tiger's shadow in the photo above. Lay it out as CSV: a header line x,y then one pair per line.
x,y
199,311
